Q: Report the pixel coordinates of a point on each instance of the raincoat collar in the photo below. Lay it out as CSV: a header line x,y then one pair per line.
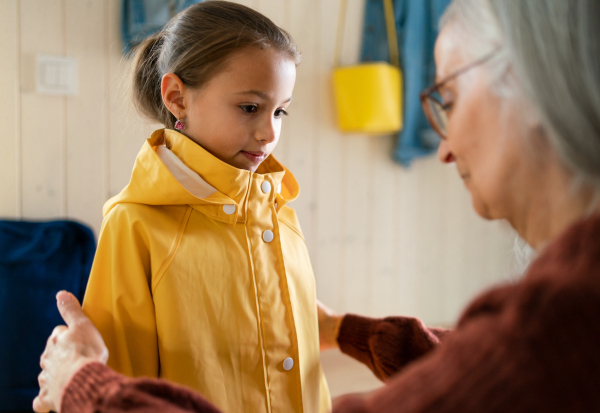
x,y
227,179
153,183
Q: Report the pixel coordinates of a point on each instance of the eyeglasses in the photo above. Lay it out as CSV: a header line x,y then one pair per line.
x,y
433,105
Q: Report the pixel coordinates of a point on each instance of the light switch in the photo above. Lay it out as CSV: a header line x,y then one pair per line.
x,y
56,75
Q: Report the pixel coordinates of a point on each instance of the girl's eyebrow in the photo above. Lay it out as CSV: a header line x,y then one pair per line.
x,y
260,94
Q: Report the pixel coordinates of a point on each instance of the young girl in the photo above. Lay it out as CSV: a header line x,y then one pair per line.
x,y
202,275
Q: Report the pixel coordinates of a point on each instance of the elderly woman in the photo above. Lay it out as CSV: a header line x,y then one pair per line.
x,y
517,104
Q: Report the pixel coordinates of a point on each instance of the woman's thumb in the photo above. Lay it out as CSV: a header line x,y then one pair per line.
x,y
69,308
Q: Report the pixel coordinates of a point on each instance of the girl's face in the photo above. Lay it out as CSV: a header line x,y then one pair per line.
x,y
237,114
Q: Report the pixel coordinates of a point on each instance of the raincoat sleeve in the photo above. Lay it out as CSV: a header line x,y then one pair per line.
x,y
118,298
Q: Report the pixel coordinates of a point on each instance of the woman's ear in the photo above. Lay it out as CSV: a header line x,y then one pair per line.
x,y
172,90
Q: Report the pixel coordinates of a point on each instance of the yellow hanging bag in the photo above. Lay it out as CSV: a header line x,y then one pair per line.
x,y
368,97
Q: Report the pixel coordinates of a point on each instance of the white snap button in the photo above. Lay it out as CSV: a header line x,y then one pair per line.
x,y
288,363
268,236
275,205
229,209
266,187
279,188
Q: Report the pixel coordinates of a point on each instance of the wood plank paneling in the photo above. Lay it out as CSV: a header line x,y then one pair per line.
x,y
429,291
383,239
10,109
384,218
327,259
278,12
455,257
248,3
408,241
86,135
301,125
356,224
122,116
358,187
127,129
43,116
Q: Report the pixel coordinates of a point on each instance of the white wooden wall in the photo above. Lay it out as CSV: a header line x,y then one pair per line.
x,y
383,239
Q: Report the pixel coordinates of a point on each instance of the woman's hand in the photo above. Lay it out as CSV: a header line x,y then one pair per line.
x,y
329,327
68,349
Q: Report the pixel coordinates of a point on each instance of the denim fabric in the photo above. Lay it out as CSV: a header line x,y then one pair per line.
x,y
37,259
417,27
141,18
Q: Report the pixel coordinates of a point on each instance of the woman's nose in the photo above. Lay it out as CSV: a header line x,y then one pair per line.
x,y
444,153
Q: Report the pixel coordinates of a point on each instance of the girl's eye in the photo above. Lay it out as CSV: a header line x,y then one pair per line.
x,y
250,109
280,112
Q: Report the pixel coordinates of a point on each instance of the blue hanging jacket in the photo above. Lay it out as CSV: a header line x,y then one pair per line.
x,y
37,259
417,28
142,18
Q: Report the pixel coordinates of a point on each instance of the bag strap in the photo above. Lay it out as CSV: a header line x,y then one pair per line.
x,y
390,24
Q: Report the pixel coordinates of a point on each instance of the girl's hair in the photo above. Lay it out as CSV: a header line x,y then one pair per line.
x,y
552,47
195,45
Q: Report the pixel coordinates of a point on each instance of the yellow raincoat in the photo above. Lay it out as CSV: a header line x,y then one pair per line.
x,y
202,277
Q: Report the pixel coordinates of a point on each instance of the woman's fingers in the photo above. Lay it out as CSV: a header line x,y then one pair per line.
x,y
67,350
40,405
57,331
51,342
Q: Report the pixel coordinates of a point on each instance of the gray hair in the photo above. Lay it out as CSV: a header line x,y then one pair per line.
x,y
553,49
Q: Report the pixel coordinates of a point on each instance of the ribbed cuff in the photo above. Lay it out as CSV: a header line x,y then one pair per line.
x,y
87,386
354,336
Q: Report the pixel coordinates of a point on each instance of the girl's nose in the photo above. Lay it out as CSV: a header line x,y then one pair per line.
x,y
268,132
444,153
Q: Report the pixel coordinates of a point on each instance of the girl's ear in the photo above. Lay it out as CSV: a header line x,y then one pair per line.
x,y
172,90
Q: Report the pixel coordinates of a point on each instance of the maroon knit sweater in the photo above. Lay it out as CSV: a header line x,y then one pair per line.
x,y
529,347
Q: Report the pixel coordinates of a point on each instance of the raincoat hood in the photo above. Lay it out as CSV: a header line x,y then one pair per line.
x,y
171,169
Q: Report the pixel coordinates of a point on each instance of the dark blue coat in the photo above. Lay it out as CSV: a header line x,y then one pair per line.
x,y
37,259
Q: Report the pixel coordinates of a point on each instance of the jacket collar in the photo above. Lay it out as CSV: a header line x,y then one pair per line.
x,y
228,180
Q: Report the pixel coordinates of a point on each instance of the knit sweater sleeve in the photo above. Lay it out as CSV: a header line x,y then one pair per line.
x,y
525,348
97,388
387,345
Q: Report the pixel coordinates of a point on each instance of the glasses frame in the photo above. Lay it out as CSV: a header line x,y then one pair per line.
x,y
427,94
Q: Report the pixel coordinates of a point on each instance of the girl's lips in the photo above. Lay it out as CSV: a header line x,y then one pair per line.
x,y
256,157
